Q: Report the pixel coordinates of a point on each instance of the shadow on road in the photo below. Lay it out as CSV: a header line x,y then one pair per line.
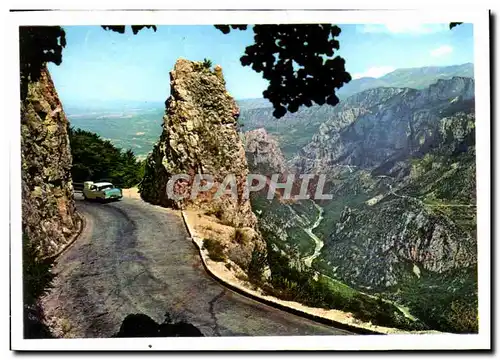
x,y
141,325
34,327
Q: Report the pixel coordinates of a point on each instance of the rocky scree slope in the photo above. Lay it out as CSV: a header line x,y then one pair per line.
x,y
200,137
48,211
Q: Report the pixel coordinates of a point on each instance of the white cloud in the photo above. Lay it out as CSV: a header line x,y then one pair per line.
x,y
441,51
403,27
376,72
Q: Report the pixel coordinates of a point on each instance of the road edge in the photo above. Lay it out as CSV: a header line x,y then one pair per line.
x,y
289,309
73,238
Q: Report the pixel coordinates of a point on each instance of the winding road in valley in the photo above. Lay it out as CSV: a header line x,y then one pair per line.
x,y
133,257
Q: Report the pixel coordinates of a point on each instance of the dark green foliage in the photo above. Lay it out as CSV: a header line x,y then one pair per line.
x,y
37,280
97,159
239,236
215,249
446,302
291,284
272,214
207,63
37,46
227,28
36,273
121,28
333,210
298,62
257,265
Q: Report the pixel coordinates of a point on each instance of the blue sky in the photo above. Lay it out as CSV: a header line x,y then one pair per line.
x,y
101,65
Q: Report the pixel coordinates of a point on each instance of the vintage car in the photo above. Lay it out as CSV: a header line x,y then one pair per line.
x,y
101,191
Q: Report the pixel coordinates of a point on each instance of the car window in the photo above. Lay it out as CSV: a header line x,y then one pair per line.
x,y
104,187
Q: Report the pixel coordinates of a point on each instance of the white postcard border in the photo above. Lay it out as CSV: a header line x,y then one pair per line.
x,y
480,21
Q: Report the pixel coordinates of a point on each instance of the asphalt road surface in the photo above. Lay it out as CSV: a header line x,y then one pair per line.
x,y
132,258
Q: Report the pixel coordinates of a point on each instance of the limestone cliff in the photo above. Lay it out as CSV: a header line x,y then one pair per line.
x,y
200,137
383,125
48,209
281,222
402,161
402,221
263,153
400,164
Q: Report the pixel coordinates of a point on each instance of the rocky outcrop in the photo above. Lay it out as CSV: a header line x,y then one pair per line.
x,y
379,247
200,137
263,153
48,209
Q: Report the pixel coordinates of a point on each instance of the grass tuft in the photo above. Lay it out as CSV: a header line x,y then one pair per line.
x,y
215,250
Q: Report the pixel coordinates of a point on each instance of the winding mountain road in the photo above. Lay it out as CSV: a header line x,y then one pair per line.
x,y
133,257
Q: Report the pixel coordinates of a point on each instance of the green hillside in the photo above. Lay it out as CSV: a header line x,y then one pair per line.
x,y
137,130
97,159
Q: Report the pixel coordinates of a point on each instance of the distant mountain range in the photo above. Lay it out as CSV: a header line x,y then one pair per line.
x,y
100,106
294,131
416,78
